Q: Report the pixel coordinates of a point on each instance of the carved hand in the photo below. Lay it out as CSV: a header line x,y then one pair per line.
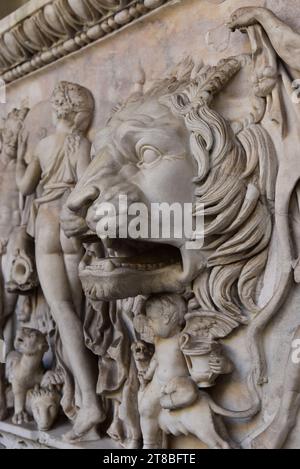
x,y
244,17
72,224
142,380
283,38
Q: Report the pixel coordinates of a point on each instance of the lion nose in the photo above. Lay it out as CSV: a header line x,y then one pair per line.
x,y
82,198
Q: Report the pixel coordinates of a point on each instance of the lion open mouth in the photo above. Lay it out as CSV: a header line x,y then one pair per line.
x,y
124,262
124,255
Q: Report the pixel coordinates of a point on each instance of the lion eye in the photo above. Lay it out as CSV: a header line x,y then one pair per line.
x,y
149,156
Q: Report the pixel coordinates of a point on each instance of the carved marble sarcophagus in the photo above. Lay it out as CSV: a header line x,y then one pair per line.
x,y
149,224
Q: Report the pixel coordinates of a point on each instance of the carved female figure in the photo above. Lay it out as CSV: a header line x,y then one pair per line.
x,y
58,162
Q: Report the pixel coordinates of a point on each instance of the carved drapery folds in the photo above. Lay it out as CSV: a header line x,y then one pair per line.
x,y
61,28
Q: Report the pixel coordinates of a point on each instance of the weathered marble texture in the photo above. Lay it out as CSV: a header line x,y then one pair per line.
x,y
109,68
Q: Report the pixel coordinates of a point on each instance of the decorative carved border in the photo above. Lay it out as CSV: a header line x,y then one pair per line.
x,y
61,28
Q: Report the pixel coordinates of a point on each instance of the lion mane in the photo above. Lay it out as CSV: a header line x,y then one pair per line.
x,y
234,187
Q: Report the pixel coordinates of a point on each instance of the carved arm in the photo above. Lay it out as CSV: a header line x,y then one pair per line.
x,y
149,373
29,176
284,39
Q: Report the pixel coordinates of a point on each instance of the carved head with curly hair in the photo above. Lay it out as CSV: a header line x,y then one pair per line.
x,y
170,145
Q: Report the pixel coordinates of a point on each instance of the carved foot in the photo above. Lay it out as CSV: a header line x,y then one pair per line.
x,y
21,418
131,444
151,446
86,420
115,431
90,436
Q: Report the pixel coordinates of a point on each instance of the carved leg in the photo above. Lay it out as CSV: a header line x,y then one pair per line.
x,y
58,294
212,439
152,433
73,254
20,415
9,299
149,408
115,431
276,434
8,304
223,432
129,412
200,421
133,440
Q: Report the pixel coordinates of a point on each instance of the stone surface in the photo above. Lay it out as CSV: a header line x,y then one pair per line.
x,y
154,341
16,437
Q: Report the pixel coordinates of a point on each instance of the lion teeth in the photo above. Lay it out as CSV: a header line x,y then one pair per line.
x,y
109,265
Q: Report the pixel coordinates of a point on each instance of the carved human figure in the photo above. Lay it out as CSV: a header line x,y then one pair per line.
x,y
9,221
169,398
166,384
165,317
57,164
286,43
284,39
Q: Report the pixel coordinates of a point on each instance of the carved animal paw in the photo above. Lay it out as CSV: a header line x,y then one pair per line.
x,y
21,418
52,378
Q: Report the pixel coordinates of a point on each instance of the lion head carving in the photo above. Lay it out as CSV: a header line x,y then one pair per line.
x,y
170,145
